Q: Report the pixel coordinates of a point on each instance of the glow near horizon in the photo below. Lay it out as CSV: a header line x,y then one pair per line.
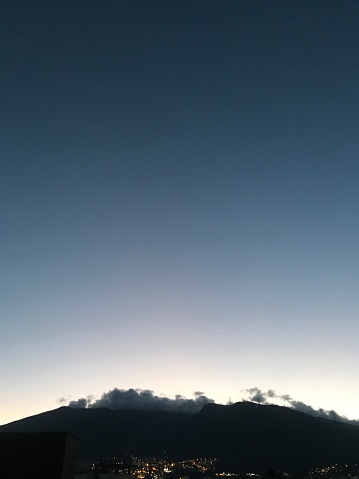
x,y
179,202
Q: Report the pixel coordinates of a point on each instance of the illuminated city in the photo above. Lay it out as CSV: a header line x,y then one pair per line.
x,y
161,468
158,468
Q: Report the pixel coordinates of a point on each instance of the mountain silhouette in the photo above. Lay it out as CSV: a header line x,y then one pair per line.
x,y
243,436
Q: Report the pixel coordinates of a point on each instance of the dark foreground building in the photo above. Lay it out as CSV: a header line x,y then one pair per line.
x,y
39,455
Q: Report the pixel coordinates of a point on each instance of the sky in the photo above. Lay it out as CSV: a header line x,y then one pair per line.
x,y
179,200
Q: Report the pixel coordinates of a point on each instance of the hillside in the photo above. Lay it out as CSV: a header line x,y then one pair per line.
x,y
244,436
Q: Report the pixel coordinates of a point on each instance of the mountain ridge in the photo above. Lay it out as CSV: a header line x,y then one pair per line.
x,y
243,436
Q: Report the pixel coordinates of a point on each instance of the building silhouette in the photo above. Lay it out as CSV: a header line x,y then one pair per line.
x,y
39,455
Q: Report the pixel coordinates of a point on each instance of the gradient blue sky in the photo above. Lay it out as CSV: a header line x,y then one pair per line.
x,y
179,200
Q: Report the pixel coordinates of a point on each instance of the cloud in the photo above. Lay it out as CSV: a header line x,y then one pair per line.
x,y
264,397
80,403
257,395
144,400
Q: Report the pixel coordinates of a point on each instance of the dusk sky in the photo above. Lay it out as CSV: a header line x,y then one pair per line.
x,y
179,200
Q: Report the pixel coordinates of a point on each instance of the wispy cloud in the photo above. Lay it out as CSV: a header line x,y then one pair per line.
x,y
268,397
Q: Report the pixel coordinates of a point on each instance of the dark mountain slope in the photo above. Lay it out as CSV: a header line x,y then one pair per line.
x,y
106,432
243,436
